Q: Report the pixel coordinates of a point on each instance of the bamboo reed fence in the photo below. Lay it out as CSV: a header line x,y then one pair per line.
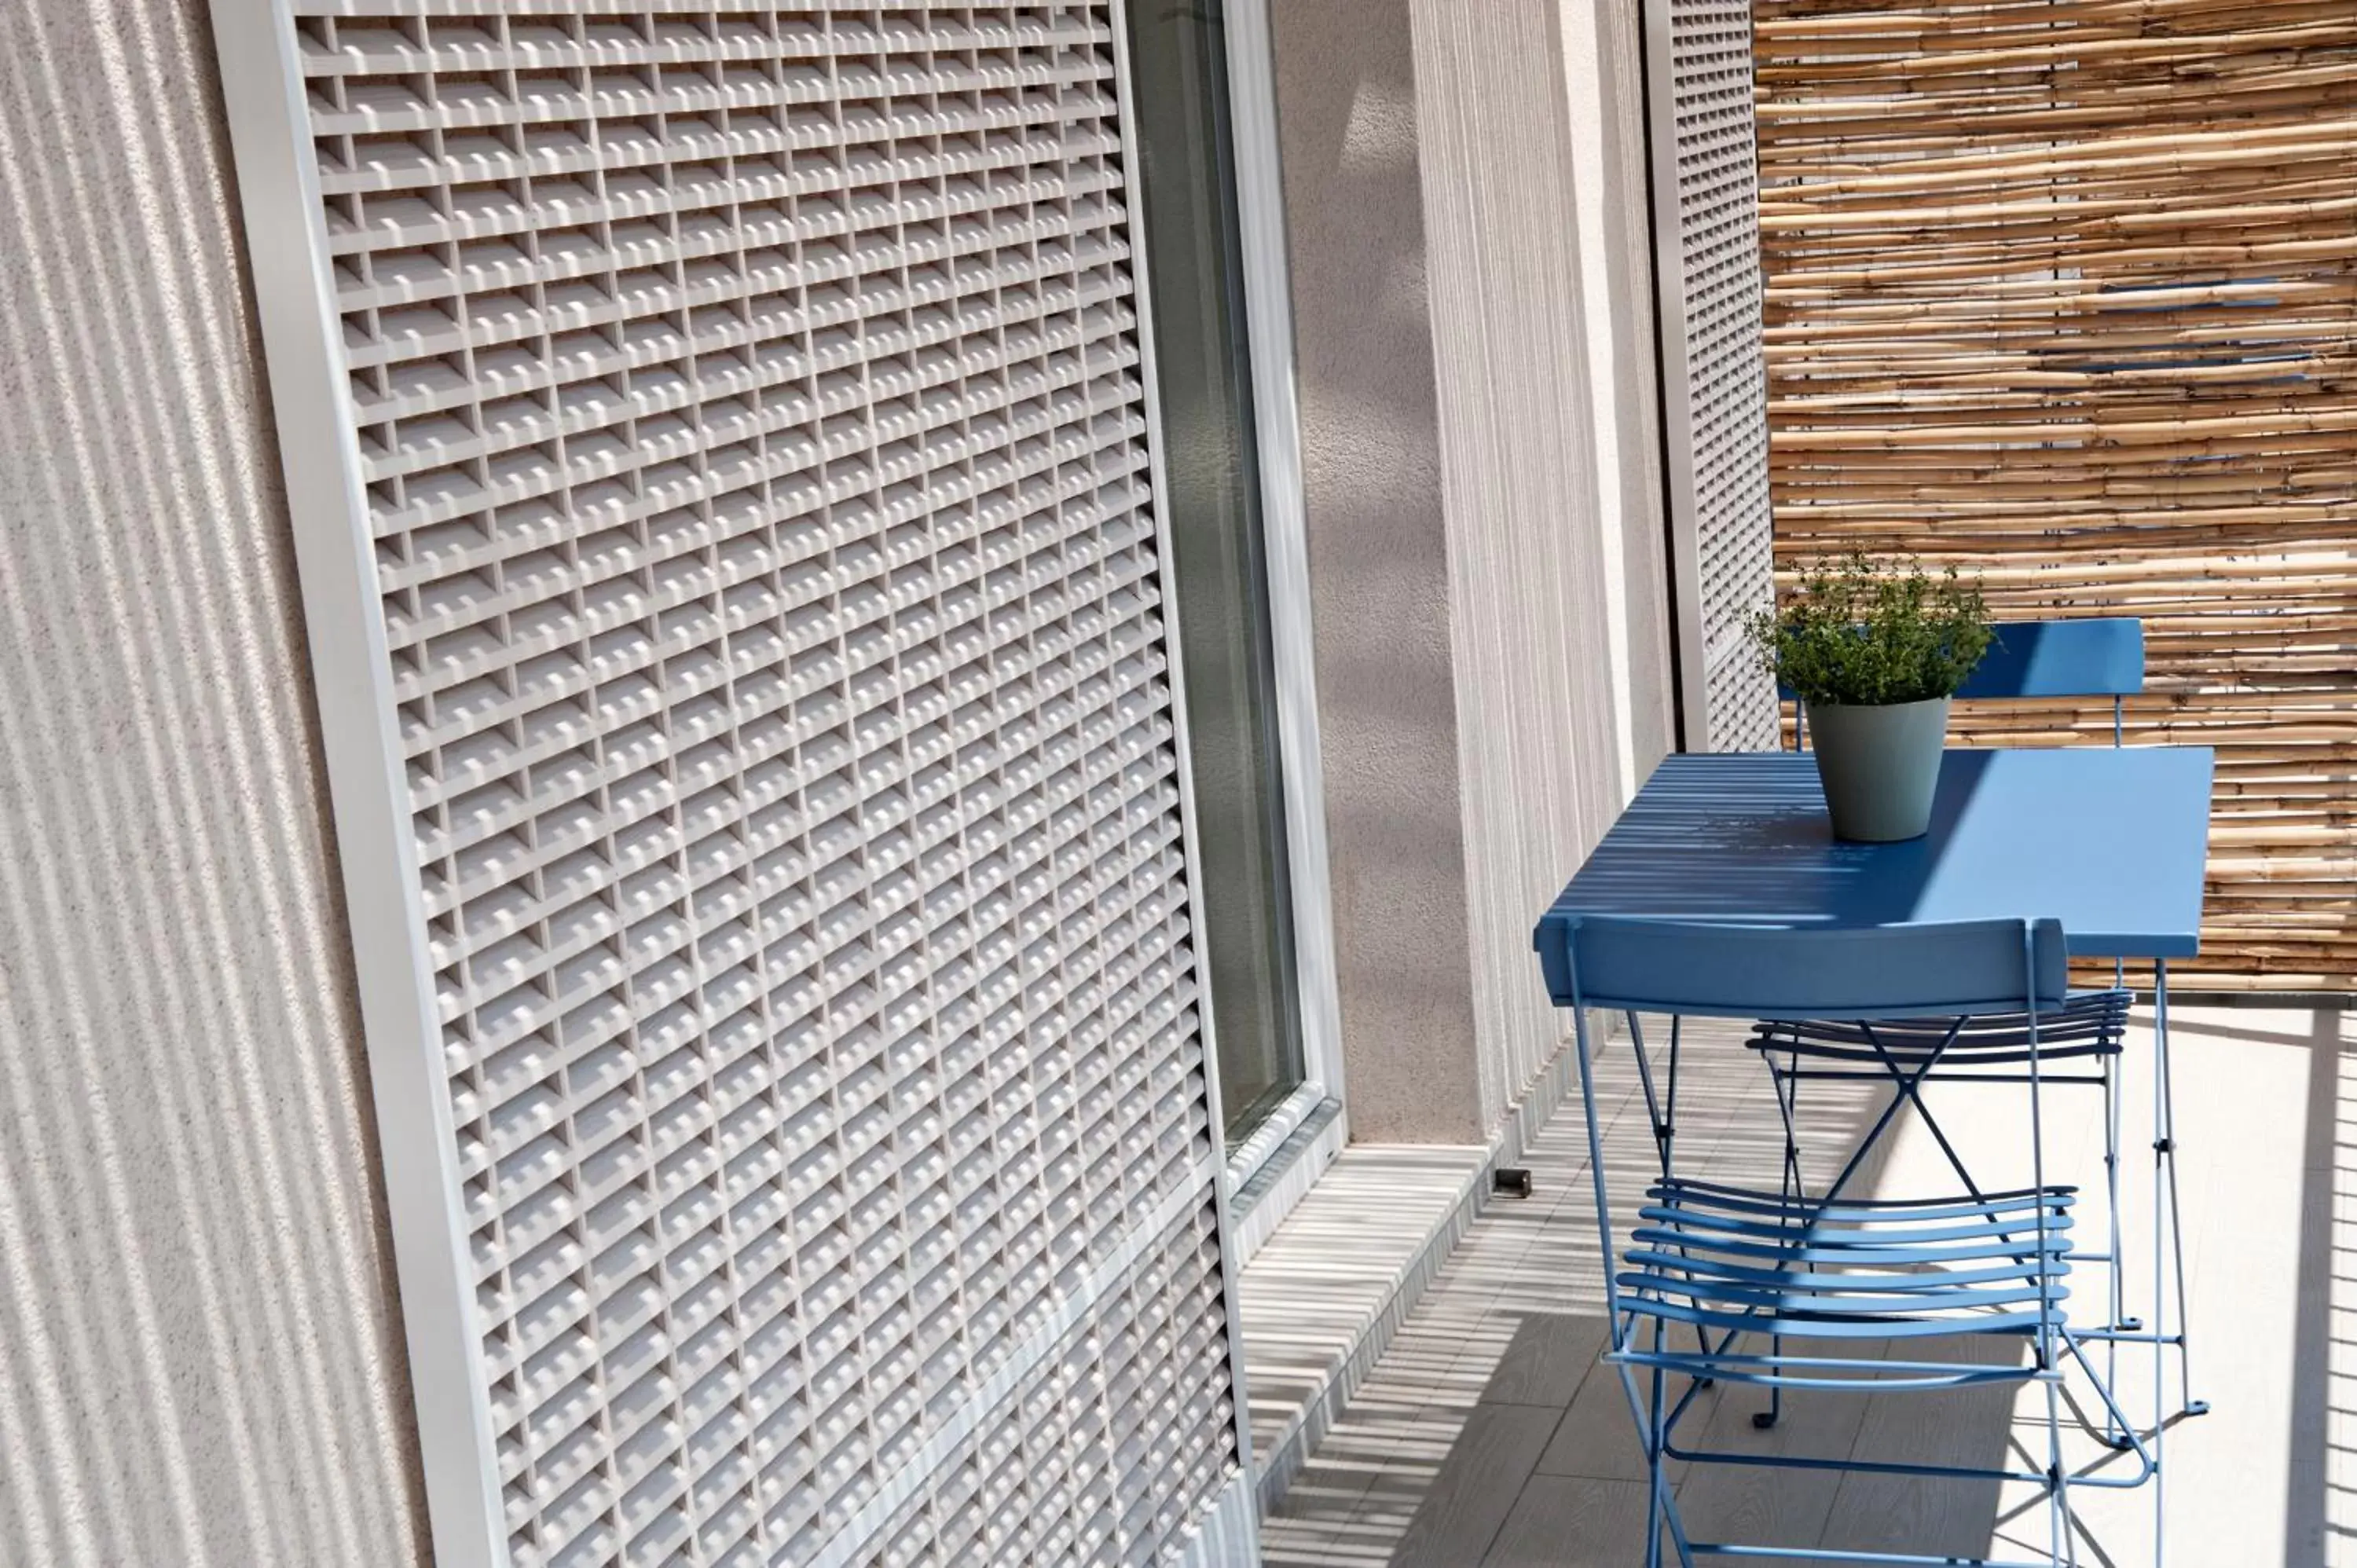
x,y
2065,292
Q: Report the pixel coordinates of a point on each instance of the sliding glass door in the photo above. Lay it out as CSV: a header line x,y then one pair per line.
x,y
1219,560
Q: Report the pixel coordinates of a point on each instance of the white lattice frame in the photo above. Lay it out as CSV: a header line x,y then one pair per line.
x,y
1720,532
350,666
262,84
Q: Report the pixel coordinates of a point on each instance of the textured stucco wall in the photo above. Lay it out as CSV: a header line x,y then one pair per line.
x,y
1484,549
201,1357
1378,565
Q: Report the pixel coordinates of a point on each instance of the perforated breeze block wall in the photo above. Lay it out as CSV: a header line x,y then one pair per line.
x,y
740,442
1713,306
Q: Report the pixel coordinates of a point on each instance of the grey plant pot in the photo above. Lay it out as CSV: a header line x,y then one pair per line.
x,y
1879,767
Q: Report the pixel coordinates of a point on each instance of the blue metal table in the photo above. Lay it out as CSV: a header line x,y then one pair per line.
x,y
2111,843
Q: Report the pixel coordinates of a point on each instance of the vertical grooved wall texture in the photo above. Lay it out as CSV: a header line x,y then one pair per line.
x,y
754,444
1540,776
1605,86
201,1355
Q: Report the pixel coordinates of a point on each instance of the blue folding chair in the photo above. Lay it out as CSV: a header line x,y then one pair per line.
x,y
1747,1274
2102,657
2091,658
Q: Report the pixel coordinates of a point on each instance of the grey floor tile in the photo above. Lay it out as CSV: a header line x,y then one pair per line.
x,y
1598,1438
1970,1426
1297,1543
1758,1506
1550,1354
1570,1521
1477,1487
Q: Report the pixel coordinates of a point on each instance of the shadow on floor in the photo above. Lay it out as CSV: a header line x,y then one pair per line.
x,y
2320,1505
1490,1437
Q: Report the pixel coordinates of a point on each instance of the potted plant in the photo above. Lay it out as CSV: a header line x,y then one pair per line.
x,y
1873,649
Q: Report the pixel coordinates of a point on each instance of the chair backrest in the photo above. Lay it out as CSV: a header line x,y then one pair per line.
x,y
2056,658
2098,658
2061,659
1963,968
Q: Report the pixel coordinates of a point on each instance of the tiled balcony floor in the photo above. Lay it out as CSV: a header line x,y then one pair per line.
x,y
1487,1437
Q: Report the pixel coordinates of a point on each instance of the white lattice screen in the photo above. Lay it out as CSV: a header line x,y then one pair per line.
x,y
721,454
1706,232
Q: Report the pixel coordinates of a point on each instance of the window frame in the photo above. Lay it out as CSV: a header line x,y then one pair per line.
x,y
1305,1131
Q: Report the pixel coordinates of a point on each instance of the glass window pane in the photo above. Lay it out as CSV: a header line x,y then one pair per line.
x,y
1219,569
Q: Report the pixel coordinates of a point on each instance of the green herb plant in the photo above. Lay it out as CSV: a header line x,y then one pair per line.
x,y
1857,631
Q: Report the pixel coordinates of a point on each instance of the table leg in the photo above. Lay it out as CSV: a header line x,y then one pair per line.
x,y
2114,1432
2165,1141
2168,1227
2159,1266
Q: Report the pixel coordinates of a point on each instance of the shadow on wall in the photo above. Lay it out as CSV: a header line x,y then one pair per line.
x,y
201,1355
1468,700
1378,565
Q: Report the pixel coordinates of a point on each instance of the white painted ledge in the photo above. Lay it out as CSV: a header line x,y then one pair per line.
x,y
1322,1297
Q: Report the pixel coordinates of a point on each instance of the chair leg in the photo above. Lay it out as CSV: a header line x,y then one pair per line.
x,y
1661,1511
2065,1529
1939,1137
2164,1142
1654,1443
2159,1239
1663,1114
1654,1120
1788,1094
2115,1434
1668,1138
1910,1092
1788,1103
1664,1516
